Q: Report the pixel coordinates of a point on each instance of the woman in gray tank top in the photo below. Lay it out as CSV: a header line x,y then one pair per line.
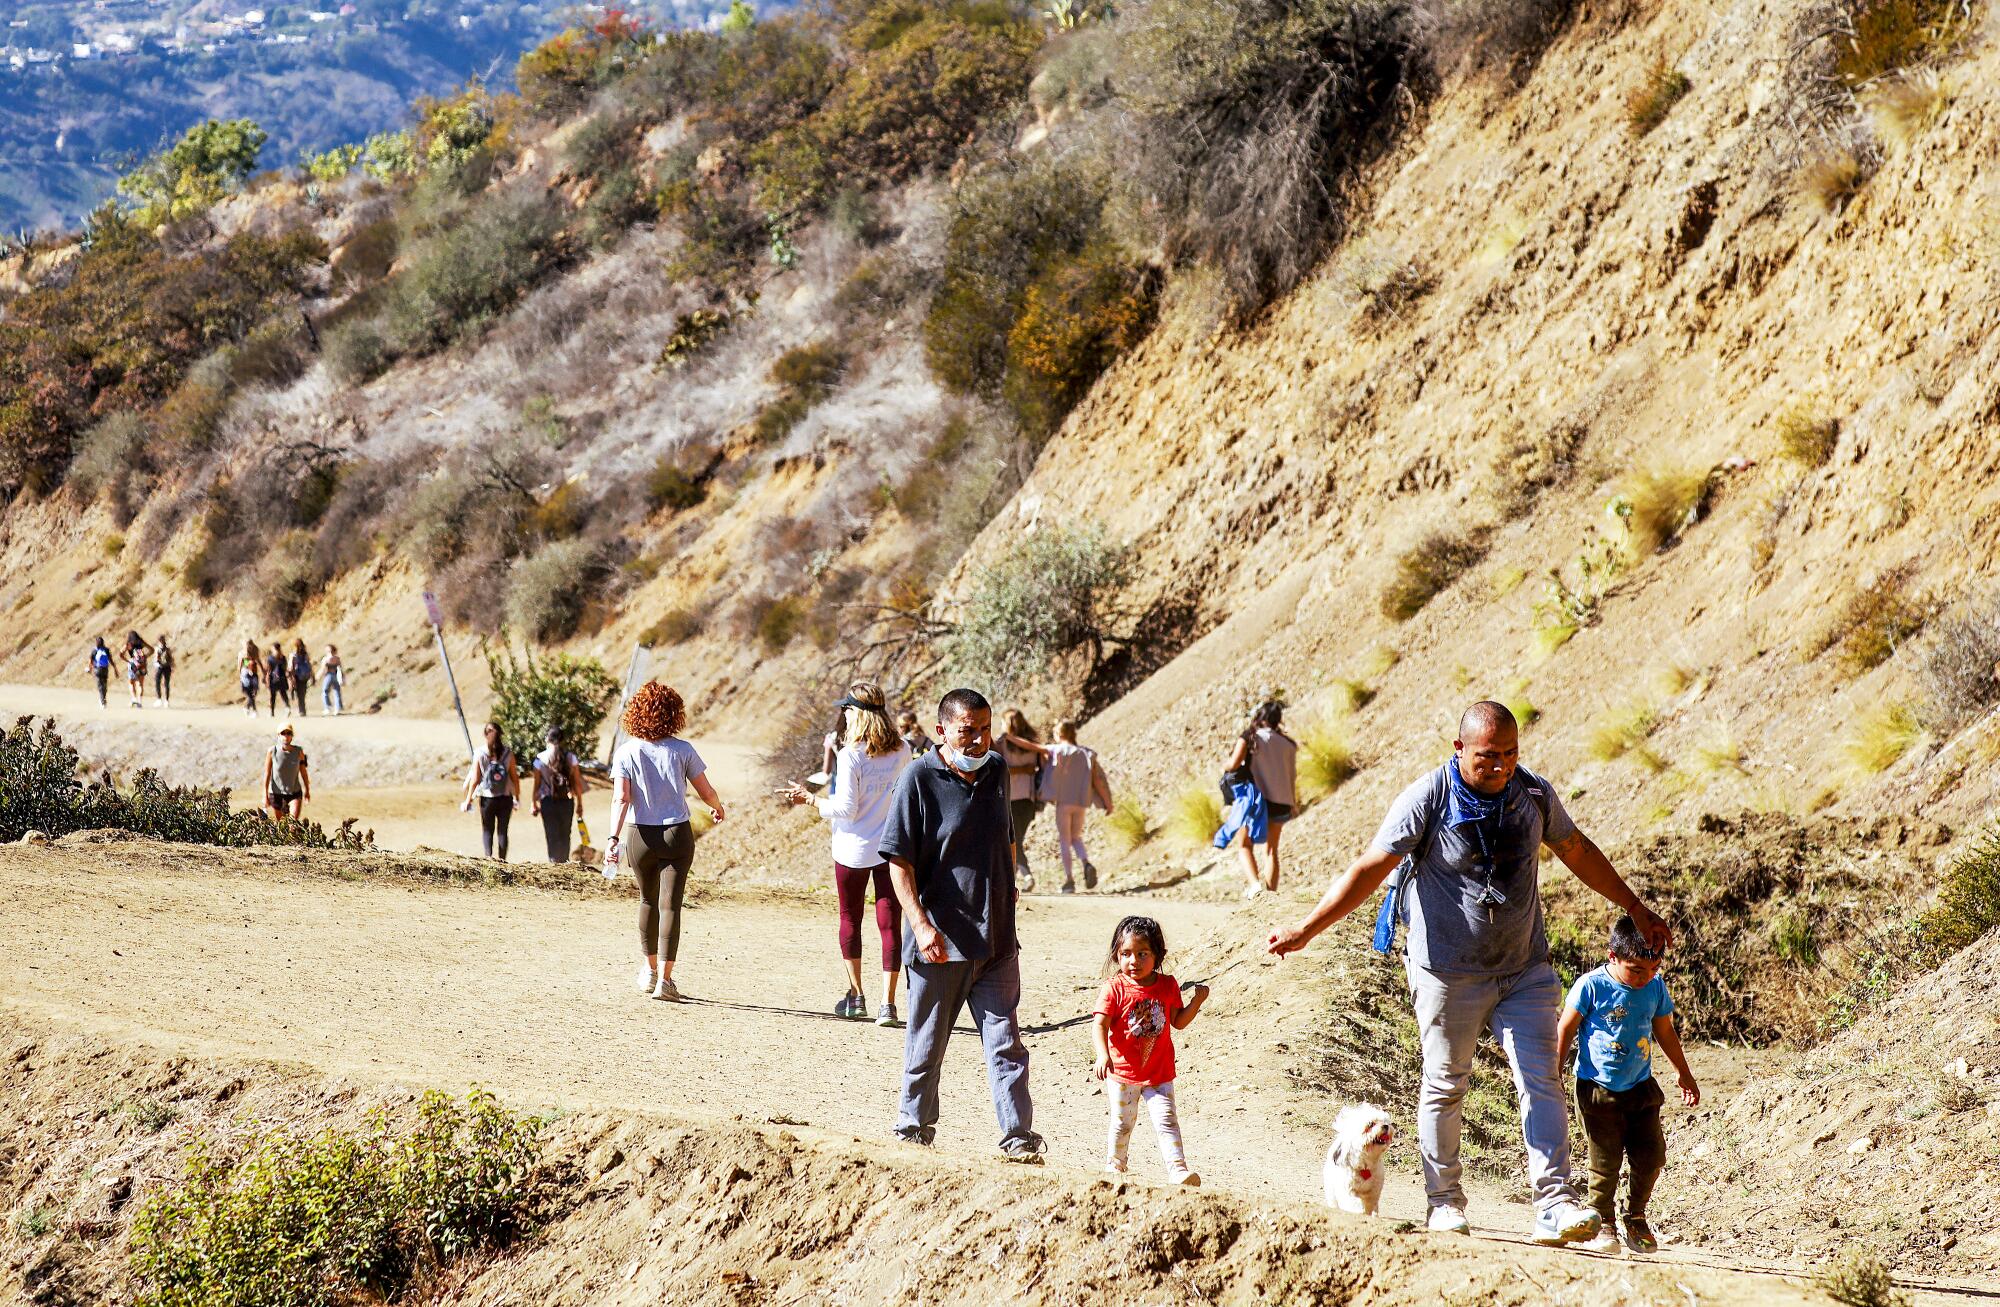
x,y
1272,758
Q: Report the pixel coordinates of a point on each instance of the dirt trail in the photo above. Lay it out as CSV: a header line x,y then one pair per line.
x,y
398,776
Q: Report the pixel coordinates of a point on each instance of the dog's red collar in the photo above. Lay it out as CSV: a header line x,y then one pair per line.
x,y
1365,1174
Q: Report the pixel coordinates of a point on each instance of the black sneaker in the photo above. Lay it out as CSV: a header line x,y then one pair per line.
x,y
1089,876
851,1006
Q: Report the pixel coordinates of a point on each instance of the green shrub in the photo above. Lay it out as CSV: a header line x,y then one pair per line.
x,y
357,351
287,578
1426,569
676,626
667,486
1050,593
617,201
41,788
1007,226
334,164
557,76
549,590
778,621
563,514
209,161
805,376
1127,823
1076,319
276,353
1968,903
693,332
367,254
531,694
298,1221
461,277
1659,90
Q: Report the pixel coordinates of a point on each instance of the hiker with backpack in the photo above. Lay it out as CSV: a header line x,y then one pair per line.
x,y
1261,780
495,781
558,797
276,678
100,667
137,654
247,672
163,674
1459,850
301,674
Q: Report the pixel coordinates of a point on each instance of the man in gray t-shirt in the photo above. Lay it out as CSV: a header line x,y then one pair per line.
x,y
1472,832
950,846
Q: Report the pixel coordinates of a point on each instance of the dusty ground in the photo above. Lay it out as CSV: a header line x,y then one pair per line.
x,y
362,968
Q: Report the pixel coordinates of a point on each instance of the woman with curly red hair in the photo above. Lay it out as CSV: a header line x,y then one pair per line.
x,y
650,774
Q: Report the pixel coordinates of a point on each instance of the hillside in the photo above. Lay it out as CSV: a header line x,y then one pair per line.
x,y
1630,364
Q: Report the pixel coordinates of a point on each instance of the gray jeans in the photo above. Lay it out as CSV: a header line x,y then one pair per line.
x,y
1452,1012
992,989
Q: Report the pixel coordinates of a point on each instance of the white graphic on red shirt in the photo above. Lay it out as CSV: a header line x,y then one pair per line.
x,y
1145,1021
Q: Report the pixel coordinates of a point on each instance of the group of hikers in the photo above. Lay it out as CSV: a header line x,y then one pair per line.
x,y
287,677
937,833
493,781
137,656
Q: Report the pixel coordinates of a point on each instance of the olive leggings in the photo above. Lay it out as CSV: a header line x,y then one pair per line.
x,y
660,857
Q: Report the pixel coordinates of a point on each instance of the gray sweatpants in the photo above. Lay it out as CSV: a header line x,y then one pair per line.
x,y
1452,1012
992,989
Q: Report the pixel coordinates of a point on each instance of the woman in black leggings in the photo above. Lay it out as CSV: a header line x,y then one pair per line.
x,y
496,781
650,775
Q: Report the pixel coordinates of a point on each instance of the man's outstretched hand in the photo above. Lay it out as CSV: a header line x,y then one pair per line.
x,y
1286,939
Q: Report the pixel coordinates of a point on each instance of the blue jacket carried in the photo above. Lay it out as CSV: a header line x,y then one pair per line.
x,y
1247,812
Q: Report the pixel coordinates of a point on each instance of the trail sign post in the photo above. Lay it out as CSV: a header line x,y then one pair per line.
x,y
632,673
435,616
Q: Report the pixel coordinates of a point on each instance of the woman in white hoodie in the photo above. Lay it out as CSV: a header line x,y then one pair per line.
x,y
864,780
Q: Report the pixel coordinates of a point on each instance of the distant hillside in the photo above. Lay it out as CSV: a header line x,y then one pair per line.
x,y
87,89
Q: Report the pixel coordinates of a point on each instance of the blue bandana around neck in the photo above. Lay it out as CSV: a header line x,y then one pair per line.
x,y
1465,805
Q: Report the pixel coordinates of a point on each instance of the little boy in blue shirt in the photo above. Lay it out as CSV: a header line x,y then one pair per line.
x,y
1623,1010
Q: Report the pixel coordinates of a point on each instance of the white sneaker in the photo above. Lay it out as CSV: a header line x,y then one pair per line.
x,y
1446,1219
1566,1223
1605,1242
1185,1178
1252,892
646,979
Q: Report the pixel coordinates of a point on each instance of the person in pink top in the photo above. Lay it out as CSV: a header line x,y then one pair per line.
x,y
1133,1027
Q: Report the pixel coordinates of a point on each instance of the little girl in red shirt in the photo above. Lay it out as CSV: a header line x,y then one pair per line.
x,y
1133,1030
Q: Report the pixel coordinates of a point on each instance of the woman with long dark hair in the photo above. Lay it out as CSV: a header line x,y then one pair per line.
x,y
857,805
495,780
650,775
1270,758
248,669
1021,748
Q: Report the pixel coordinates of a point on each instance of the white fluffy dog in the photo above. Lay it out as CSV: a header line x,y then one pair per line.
x,y
1361,1134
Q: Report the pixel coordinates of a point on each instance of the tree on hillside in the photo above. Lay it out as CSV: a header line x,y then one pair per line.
x,y
529,696
1046,596
207,163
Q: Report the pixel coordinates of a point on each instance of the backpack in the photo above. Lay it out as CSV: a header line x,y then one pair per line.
x,y
165,659
100,659
559,777
496,772
1394,910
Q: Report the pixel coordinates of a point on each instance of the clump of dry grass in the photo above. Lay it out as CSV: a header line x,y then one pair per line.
x,y
1904,107
1888,35
1127,823
1807,437
1659,90
1960,667
1326,759
1195,814
1620,731
1720,753
1832,177
1351,694
1874,621
1881,736
1657,503
1426,569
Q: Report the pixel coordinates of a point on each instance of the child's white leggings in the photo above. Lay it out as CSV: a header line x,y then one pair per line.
x,y
1069,834
1159,1100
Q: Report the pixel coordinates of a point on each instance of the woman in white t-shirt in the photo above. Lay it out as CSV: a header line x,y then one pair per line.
x,y
858,802
650,774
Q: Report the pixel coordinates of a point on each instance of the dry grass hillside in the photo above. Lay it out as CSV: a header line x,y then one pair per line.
x,y
1540,313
